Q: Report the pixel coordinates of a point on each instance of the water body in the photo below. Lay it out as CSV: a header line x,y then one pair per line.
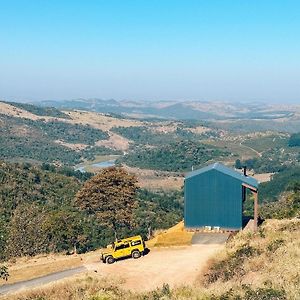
x,y
102,164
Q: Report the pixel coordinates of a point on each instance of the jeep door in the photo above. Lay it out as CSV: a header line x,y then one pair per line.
x,y
121,250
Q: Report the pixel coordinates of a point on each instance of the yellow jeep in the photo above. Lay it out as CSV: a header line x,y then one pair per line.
x,y
132,246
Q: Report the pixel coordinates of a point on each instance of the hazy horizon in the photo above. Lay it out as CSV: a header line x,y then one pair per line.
x,y
218,51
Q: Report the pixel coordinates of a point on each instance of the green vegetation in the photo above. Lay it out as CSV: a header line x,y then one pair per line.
x,y
158,210
264,164
110,196
248,126
35,140
4,272
181,156
145,135
40,111
271,161
280,182
253,266
27,196
39,150
232,266
90,152
70,133
67,171
138,134
38,215
265,143
259,253
294,140
288,206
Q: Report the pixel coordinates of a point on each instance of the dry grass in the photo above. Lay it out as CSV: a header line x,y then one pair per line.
x,y
115,141
269,270
26,268
175,236
263,177
76,289
13,111
101,121
156,180
268,258
73,146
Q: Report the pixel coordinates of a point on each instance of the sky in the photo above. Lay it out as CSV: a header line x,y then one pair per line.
x,y
206,50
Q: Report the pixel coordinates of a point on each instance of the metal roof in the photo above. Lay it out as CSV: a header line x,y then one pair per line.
x,y
225,170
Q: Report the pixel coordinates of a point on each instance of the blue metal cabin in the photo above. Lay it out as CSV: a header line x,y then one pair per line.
x,y
213,197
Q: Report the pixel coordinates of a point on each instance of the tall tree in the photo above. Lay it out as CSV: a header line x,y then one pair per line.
x,y
111,197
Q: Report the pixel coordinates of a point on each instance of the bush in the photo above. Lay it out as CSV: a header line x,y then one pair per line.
x,y
274,245
294,140
4,272
231,266
268,293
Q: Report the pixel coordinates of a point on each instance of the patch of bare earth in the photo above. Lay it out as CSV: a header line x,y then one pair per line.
x,y
175,266
264,177
76,147
115,141
13,111
101,121
199,129
157,180
165,128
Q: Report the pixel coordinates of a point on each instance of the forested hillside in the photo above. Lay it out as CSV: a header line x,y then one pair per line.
x,y
175,156
39,214
37,139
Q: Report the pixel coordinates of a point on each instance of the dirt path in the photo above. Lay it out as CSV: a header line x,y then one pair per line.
x,y
174,266
256,152
9,288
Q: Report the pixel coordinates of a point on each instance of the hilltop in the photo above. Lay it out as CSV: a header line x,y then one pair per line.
x,y
252,266
49,144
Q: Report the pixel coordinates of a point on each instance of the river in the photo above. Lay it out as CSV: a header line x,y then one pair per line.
x,y
100,165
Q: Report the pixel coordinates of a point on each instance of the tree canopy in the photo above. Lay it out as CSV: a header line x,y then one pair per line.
x,y
111,197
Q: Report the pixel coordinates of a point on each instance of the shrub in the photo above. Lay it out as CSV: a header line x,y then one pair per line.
x,y
231,266
4,272
274,245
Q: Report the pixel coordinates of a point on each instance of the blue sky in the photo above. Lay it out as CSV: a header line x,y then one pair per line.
x,y
225,50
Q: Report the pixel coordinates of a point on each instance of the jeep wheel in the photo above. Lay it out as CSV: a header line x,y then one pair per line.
x,y
136,254
110,260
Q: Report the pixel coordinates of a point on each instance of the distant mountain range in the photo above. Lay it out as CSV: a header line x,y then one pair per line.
x,y
192,110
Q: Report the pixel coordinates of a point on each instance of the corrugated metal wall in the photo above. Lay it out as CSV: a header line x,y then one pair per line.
x,y
213,199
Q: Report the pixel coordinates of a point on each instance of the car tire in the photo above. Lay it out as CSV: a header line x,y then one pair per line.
x,y
110,260
136,254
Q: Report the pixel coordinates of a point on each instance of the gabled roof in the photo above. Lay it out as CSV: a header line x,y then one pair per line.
x,y
225,170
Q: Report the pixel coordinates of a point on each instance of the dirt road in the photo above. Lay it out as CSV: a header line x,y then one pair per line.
x,y
174,266
4,289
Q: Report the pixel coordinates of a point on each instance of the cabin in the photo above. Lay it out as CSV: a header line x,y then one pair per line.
x,y
213,198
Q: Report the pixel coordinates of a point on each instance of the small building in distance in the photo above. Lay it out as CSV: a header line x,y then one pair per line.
x,y
213,196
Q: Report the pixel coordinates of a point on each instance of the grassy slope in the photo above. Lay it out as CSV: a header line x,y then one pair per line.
x,y
264,265
175,236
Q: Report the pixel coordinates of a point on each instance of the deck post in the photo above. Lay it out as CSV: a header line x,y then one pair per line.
x,y
255,210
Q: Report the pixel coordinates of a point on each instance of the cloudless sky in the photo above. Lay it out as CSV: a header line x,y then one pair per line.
x,y
226,50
